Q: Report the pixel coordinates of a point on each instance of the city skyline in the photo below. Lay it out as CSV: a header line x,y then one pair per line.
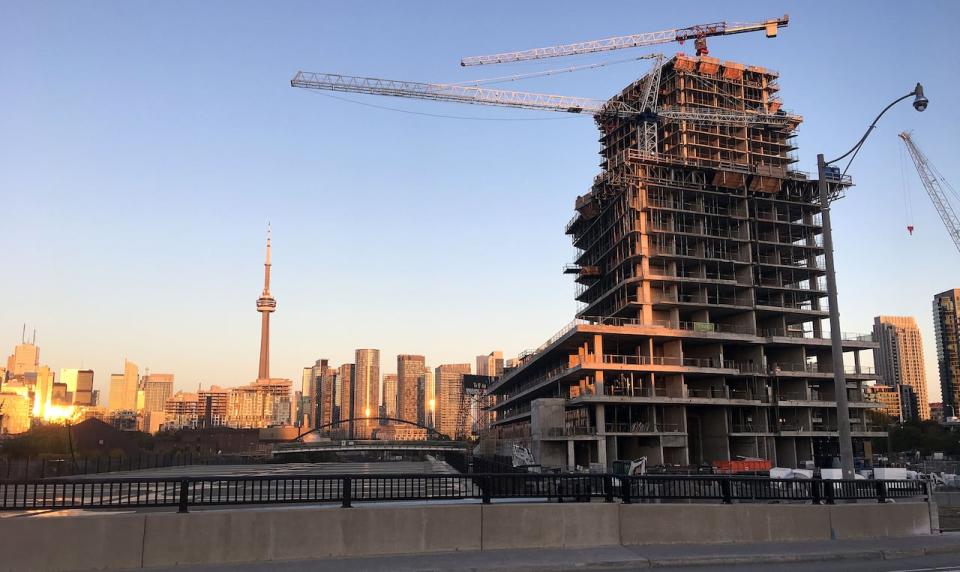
x,y
120,303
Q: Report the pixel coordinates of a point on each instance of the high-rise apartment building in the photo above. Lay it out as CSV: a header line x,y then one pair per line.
x,y
899,359
157,389
426,401
263,403
449,382
366,390
327,396
700,277
306,408
946,327
213,406
409,368
181,411
347,379
390,395
888,397
124,387
490,364
319,390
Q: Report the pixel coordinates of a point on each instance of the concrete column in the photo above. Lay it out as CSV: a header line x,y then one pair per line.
x,y
571,459
856,360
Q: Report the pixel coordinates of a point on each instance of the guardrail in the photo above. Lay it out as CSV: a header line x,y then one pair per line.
x,y
184,493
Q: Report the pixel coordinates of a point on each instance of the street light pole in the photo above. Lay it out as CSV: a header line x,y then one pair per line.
x,y
836,339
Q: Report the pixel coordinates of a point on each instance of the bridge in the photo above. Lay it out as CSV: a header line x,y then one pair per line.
x,y
341,445
319,429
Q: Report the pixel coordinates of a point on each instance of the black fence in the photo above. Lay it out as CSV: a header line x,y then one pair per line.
x,y
21,469
346,489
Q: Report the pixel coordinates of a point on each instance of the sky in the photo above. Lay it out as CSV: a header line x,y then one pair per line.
x,y
145,146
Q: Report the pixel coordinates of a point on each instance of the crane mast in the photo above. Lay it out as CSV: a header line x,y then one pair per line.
x,y
699,33
931,182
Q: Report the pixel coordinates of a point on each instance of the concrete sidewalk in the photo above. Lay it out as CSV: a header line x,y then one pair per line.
x,y
620,557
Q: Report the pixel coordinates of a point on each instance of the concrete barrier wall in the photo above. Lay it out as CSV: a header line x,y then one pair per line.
x,y
126,541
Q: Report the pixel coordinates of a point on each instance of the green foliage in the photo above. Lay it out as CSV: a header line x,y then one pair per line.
x,y
924,436
43,440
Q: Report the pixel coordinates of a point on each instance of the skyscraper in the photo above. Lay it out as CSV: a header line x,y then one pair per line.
x,y
266,305
490,364
946,327
123,388
25,358
157,389
366,390
899,359
390,395
84,392
426,401
213,406
409,368
69,378
449,382
348,378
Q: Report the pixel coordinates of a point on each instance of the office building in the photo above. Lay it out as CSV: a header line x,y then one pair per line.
x,y
326,396
157,389
449,391
946,327
936,412
124,387
899,359
83,394
25,359
43,391
69,377
703,306
409,368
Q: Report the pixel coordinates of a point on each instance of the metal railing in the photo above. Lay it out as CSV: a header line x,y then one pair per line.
x,y
184,493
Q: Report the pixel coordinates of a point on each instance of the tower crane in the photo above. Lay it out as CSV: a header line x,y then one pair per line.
x,y
931,179
699,33
647,111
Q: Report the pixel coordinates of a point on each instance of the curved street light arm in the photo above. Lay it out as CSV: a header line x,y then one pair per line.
x,y
872,127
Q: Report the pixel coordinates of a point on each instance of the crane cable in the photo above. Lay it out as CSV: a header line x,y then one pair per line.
x,y
905,187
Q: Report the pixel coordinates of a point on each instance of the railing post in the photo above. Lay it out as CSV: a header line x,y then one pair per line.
x,y
881,492
485,489
725,490
607,488
347,492
184,496
625,484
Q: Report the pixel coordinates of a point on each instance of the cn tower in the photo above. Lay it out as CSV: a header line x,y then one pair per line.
x,y
265,305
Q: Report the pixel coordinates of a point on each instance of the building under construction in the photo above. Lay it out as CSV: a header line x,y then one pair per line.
x,y
700,274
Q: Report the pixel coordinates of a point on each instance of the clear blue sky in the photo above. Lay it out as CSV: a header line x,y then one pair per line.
x,y
144,146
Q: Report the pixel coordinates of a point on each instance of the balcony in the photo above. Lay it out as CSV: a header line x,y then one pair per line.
x,y
643,427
